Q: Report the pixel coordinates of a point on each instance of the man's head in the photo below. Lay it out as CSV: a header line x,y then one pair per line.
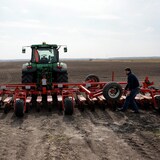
x,y
127,70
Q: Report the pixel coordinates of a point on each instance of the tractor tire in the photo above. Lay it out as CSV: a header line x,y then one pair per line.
x,y
27,77
92,78
112,91
19,108
68,106
62,77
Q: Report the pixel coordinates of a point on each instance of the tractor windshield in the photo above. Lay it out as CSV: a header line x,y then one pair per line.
x,y
44,55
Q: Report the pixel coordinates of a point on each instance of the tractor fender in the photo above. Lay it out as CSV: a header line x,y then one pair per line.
x,y
27,69
60,67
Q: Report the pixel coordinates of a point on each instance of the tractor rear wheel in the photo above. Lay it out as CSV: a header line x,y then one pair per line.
x,y
62,77
27,77
112,91
68,106
19,108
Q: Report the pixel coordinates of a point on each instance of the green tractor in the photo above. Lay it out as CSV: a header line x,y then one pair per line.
x,y
44,63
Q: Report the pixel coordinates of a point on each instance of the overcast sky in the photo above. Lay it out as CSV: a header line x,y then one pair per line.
x,y
89,28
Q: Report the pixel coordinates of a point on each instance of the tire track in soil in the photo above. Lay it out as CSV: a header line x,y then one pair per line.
x,y
13,145
98,142
132,134
80,141
141,146
144,145
40,146
152,141
148,145
84,126
27,141
54,140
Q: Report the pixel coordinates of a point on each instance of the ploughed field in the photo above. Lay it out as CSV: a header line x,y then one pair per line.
x,y
98,135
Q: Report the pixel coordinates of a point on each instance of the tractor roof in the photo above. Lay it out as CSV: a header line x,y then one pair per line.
x,y
44,45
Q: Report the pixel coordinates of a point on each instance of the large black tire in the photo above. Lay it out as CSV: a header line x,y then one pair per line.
x,y
19,108
27,77
112,91
62,77
92,78
68,106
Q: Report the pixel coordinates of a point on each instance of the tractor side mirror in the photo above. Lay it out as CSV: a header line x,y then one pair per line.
x,y
23,50
65,49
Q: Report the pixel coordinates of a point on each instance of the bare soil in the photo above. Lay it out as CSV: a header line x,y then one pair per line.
x,y
99,135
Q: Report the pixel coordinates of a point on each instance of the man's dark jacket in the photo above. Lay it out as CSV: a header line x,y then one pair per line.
x,y
132,82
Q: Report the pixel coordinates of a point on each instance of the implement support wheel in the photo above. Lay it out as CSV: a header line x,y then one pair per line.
x,y
157,98
68,106
92,78
112,91
19,108
7,108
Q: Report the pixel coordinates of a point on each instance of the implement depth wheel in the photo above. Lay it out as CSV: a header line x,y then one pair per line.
x,y
68,106
112,91
157,98
19,108
92,78
7,108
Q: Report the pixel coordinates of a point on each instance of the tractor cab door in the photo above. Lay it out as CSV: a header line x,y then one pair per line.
x,y
35,56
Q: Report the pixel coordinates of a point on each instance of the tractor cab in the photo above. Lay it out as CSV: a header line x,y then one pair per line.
x,y
44,54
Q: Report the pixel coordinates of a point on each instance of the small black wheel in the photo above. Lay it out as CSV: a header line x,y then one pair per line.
x,y
49,106
7,108
81,107
92,78
27,107
19,108
112,91
38,107
157,98
68,106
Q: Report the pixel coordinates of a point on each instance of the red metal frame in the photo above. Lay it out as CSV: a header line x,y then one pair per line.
x,y
91,89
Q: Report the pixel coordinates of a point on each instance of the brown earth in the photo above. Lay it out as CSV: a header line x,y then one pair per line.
x,y
99,135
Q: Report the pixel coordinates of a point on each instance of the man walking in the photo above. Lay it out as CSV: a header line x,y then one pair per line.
x,y
132,88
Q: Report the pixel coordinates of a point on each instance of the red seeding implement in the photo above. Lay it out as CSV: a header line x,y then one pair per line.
x,y
66,96
45,84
